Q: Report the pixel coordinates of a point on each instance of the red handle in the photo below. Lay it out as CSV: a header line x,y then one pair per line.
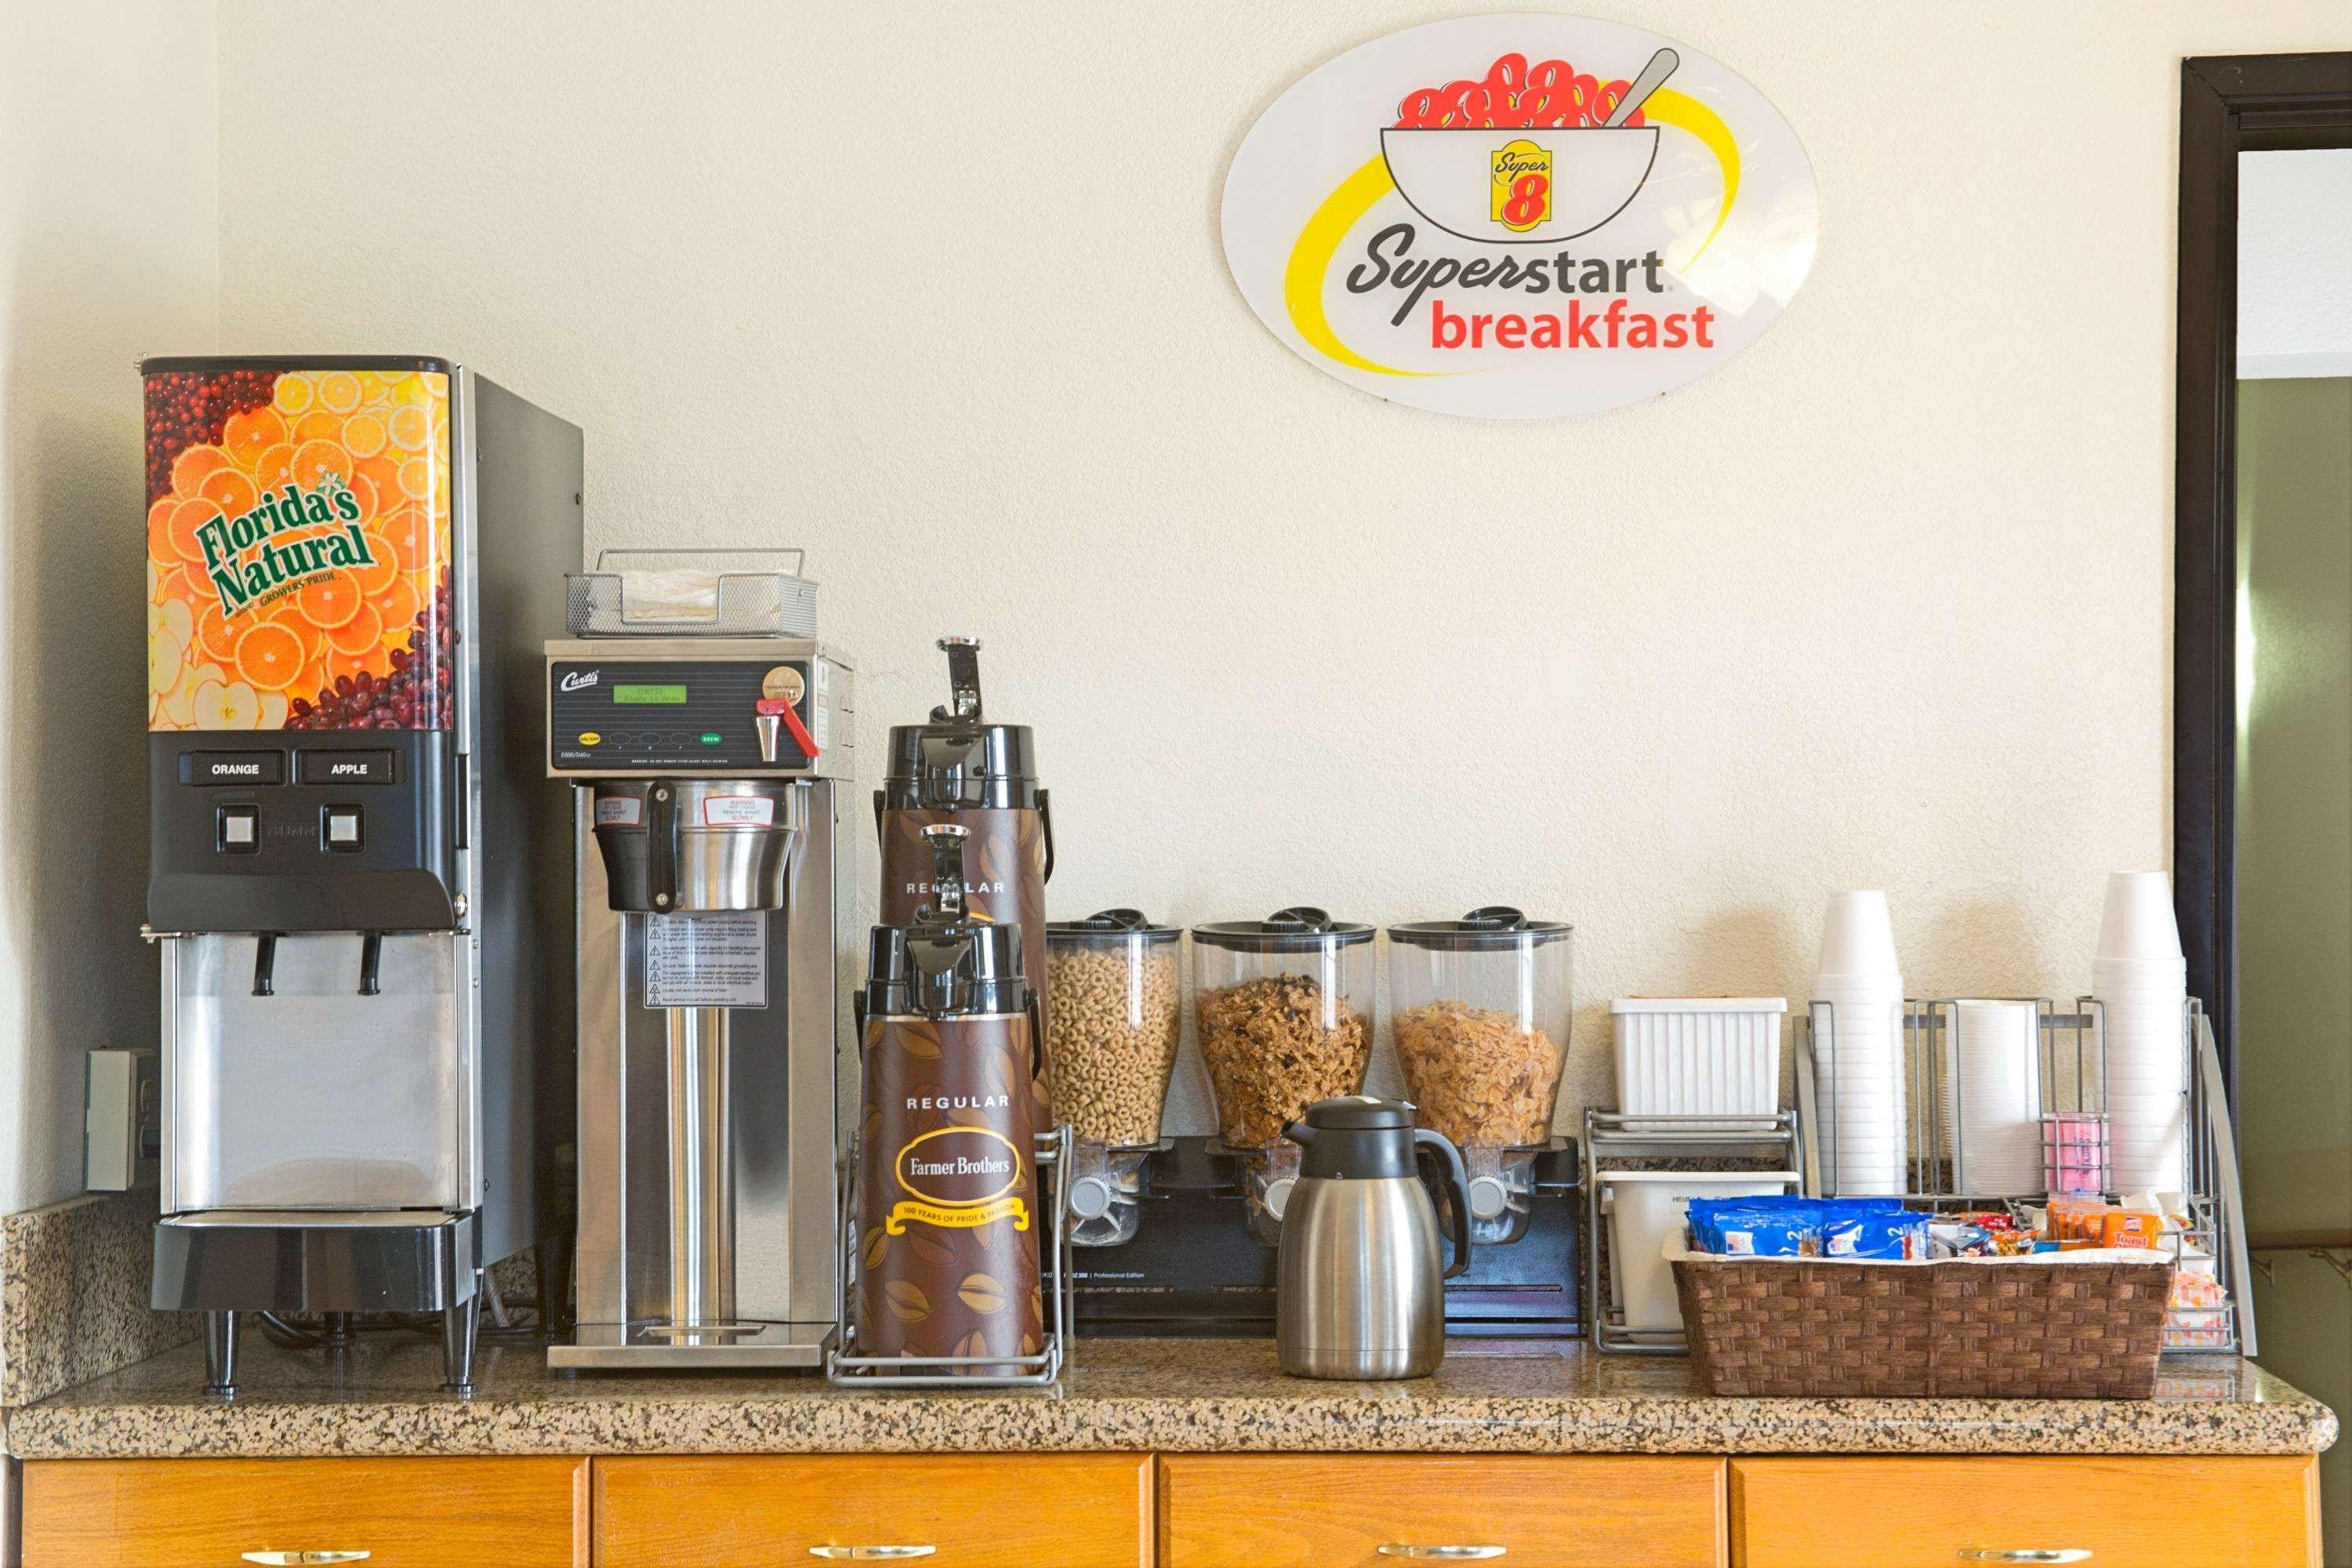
x,y
784,710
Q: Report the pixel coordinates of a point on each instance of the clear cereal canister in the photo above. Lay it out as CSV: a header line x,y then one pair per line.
x,y
1480,1009
1283,1010
1111,1038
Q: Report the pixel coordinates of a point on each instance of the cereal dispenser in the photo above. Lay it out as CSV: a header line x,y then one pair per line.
x,y
1112,982
1284,1011
1480,1008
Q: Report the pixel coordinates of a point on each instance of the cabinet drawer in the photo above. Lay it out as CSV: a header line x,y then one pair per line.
x,y
973,1510
1364,1510
2158,1512
403,1513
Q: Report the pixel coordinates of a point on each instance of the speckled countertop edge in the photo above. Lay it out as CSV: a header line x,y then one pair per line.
x,y
1213,1399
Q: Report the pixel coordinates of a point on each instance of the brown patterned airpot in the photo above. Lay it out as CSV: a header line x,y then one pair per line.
x,y
947,1203
959,768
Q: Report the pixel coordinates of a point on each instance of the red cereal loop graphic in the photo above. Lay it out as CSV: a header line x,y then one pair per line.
x,y
1419,110
1542,101
1454,103
1605,103
1549,95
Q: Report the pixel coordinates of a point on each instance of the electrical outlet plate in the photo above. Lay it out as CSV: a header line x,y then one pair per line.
x,y
121,1121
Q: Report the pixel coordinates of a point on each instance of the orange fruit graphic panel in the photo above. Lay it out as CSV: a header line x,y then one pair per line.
x,y
363,435
231,491
330,601
269,655
248,434
339,392
264,487
188,516
189,469
274,467
316,458
360,635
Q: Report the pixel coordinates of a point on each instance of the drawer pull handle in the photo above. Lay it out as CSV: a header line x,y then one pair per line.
x,y
289,1559
2025,1555
871,1554
1442,1553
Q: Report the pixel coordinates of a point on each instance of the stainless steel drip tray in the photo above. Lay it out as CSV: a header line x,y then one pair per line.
x,y
357,1260
659,1343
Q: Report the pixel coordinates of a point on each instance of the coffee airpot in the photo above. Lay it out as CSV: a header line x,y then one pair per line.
x,y
982,777
947,1209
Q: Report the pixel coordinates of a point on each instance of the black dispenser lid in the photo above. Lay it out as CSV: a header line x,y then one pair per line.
x,y
958,758
1301,928
1493,927
946,962
1112,925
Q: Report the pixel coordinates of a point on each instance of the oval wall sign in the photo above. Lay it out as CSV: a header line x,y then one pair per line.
x,y
1520,217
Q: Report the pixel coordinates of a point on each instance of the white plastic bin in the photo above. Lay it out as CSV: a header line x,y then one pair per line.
x,y
1643,1209
1699,1055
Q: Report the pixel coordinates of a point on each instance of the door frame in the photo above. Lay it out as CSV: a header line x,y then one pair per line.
x,y
2229,104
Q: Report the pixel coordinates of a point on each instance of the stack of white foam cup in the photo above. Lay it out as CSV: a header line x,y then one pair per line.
x,y
2141,980
1996,1084
1859,1057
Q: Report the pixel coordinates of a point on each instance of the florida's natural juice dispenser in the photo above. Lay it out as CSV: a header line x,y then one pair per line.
x,y
714,891
355,867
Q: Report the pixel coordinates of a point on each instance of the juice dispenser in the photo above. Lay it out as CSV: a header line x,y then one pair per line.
x,y
355,868
1480,1009
709,761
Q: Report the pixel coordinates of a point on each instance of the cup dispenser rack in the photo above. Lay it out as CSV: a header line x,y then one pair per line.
x,y
2072,1067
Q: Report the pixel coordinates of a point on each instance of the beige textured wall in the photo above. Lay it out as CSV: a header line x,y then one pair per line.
x,y
108,227
936,291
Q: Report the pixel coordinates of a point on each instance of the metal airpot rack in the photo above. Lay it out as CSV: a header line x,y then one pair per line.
x,y
2072,1067
842,1365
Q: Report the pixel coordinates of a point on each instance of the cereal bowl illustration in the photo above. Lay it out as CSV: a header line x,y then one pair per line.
x,y
1528,155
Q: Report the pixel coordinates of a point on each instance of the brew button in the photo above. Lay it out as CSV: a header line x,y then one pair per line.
x,y
342,767
240,829
233,768
589,737
711,737
343,826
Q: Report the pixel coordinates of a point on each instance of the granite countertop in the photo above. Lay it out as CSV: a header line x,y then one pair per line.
x,y
382,1398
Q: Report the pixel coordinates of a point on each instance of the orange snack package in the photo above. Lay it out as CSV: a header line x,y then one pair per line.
x,y
2128,1228
2072,1219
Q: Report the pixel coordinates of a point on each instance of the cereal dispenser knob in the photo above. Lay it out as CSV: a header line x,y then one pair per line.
x,y
1277,1195
1487,1198
1090,1198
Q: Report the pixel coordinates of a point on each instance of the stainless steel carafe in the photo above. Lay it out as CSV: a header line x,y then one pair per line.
x,y
1361,1291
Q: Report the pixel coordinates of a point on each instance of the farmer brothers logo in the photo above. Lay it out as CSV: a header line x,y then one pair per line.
x,y
292,536
1574,216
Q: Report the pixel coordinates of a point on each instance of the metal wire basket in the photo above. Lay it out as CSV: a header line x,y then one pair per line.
x,y
735,603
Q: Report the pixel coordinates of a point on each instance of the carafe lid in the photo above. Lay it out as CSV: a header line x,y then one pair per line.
x,y
1301,928
1361,1113
958,758
947,962
1490,927
1112,925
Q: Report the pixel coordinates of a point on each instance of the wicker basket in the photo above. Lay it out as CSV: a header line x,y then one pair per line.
x,y
1981,1328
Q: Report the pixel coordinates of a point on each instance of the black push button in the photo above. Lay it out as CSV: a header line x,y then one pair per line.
x,y
239,829
233,767
339,827
342,767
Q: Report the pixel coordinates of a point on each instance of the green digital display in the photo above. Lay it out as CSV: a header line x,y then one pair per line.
x,y
668,696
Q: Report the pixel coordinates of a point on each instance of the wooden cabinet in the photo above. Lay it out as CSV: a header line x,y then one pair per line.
x,y
970,1511
2122,1513
1340,1510
403,1513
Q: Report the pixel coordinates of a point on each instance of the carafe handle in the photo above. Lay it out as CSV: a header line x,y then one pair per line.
x,y
1457,1181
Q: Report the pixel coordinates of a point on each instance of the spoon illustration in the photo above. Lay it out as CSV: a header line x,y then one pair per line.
x,y
1662,65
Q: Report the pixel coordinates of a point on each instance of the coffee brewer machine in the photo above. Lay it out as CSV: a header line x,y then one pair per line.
x,y
714,890
354,876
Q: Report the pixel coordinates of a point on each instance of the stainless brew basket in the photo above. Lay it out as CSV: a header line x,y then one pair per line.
x,y
697,846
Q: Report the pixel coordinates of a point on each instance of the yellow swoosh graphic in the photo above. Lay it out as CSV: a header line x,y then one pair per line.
x,y
1685,113
1310,259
